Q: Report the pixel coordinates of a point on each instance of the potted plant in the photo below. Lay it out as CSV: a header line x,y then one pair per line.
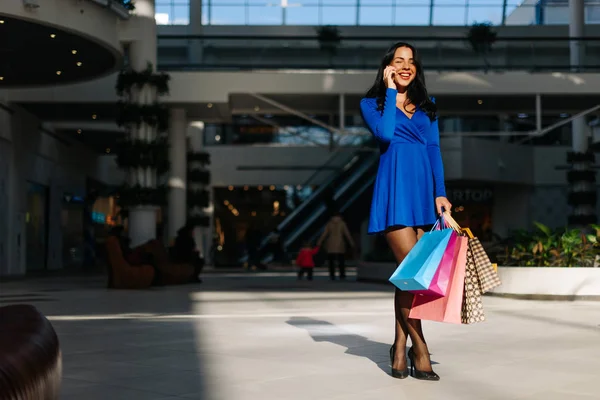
x,y
481,37
329,39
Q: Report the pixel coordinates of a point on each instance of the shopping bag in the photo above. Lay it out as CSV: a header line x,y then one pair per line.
x,y
420,265
447,308
472,307
441,279
488,275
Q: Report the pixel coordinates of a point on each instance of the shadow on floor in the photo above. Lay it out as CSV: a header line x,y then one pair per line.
x,y
356,345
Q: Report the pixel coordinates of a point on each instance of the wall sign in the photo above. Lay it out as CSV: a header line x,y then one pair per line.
x,y
470,195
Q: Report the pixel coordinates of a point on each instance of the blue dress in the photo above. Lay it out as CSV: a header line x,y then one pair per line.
x,y
411,173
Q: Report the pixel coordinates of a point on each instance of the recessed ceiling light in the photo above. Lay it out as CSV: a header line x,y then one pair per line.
x,y
74,51
1,21
79,63
1,78
58,72
209,105
79,131
479,101
107,150
257,108
94,116
230,188
52,35
272,187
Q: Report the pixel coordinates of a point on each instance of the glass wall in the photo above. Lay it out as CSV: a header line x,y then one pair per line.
x,y
389,12
172,12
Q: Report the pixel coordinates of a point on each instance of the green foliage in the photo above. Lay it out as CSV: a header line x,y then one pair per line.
x,y
200,157
128,78
329,38
155,115
559,248
131,196
198,176
198,198
143,154
481,37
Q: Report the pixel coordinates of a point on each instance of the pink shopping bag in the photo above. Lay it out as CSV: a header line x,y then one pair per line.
x,y
441,279
447,308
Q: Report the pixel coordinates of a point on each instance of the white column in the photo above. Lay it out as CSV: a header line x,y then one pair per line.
x,y
576,29
202,235
142,219
177,175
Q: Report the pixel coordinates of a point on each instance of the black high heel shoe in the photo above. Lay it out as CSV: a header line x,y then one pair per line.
x,y
397,373
421,375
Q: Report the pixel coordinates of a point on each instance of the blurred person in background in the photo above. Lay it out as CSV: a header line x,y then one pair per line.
x,y
335,236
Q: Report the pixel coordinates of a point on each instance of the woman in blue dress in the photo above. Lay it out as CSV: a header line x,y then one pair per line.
x,y
409,189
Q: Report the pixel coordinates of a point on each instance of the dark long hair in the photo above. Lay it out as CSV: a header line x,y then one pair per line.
x,y
416,92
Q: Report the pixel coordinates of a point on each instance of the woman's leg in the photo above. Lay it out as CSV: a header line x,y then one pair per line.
x,y
401,241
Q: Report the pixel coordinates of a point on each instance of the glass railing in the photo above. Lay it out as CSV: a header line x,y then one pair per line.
x,y
222,134
300,53
374,12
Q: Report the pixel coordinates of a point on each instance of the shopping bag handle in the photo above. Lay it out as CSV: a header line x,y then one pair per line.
x,y
452,223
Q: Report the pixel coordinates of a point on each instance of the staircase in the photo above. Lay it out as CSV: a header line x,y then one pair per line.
x,y
351,183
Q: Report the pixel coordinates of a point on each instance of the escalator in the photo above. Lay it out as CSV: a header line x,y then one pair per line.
x,y
338,193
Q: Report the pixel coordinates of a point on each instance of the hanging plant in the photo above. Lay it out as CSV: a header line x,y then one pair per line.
x,y
127,4
481,37
200,157
581,176
198,198
329,38
199,176
576,157
580,198
129,78
198,220
142,154
131,196
155,115
582,220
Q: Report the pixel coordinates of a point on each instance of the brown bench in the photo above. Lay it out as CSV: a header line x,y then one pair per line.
x,y
169,273
121,274
30,357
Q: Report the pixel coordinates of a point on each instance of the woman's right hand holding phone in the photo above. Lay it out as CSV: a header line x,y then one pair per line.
x,y
389,77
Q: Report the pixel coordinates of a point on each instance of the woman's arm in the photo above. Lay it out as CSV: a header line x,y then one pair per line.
x,y
381,125
435,159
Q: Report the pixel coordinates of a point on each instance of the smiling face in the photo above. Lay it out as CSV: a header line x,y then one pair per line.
x,y
404,62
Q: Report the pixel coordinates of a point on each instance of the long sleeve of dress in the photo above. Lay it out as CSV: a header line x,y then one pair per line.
x,y
381,125
435,159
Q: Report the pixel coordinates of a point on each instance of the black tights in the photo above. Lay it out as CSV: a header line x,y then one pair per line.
x,y
401,241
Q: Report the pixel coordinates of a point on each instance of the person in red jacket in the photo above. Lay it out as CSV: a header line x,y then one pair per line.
x,y
305,262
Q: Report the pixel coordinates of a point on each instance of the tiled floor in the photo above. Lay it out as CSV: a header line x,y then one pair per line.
x,y
246,336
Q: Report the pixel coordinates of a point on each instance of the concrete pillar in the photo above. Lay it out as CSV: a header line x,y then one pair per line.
x,y
576,29
582,212
202,235
142,51
577,52
196,46
177,211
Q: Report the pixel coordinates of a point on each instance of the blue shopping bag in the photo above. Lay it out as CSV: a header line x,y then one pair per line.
x,y
420,265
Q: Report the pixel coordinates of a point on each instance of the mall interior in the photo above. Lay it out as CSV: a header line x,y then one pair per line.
x,y
130,127
260,110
